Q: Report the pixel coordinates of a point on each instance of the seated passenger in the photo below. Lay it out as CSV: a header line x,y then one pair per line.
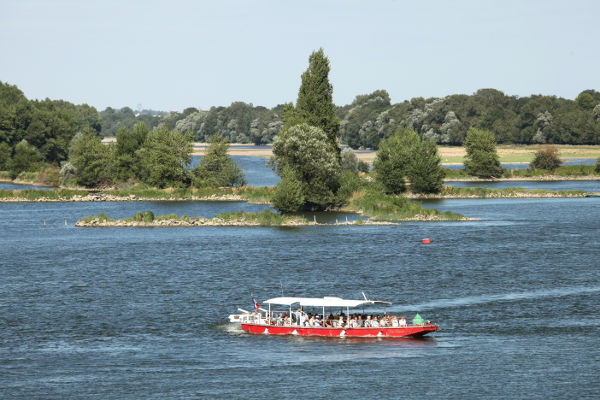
x,y
374,323
394,321
317,322
368,321
402,321
341,322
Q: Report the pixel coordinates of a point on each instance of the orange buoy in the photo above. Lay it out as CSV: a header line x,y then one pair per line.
x,y
426,241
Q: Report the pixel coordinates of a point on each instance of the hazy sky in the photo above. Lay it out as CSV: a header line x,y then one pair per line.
x,y
169,55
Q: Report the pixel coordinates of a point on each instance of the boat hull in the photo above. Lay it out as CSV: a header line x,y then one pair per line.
x,y
411,331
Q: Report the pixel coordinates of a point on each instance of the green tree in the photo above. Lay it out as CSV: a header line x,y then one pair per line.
x,y
307,151
392,160
90,158
315,99
482,159
546,158
349,160
127,161
216,168
585,100
165,157
425,171
288,195
5,155
405,156
25,158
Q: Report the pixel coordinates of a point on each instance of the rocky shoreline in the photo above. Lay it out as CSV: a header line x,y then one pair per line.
x,y
106,197
211,222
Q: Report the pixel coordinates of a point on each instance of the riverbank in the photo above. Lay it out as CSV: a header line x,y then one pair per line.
x,y
456,192
541,178
254,195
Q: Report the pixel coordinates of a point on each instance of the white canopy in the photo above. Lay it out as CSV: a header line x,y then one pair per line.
x,y
322,302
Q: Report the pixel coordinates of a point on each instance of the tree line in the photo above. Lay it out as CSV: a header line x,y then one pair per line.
x,y
159,158
520,120
372,117
48,125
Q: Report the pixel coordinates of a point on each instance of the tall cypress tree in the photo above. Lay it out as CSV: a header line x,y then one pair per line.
x,y
315,97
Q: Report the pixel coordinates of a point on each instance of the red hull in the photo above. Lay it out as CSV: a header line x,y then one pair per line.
x,y
407,331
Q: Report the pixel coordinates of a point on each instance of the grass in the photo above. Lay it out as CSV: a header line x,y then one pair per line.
x,y
482,192
521,153
35,194
382,207
564,171
256,195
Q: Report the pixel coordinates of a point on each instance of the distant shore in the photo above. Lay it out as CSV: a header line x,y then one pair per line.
x,y
450,155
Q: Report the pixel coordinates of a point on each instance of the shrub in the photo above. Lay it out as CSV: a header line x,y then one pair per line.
x,y
148,216
597,168
67,172
363,166
349,160
50,176
103,218
350,182
546,158
288,196
139,216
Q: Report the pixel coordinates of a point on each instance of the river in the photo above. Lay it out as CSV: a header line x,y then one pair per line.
x,y
134,313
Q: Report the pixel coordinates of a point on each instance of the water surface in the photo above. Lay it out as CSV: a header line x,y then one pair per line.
x,y
136,313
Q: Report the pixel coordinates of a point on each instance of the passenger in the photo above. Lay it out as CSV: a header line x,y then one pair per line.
x,y
402,321
317,322
286,321
279,319
298,314
341,321
374,322
394,321
384,321
367,323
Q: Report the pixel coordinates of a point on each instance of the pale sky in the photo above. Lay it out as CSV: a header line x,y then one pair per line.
x,y
169,55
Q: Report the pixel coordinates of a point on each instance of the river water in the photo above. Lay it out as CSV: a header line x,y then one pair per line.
x,y
140,313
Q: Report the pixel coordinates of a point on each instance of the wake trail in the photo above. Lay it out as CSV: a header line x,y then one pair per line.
x,y
492,298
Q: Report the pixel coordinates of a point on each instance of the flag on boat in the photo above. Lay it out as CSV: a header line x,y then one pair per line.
x,y
256,305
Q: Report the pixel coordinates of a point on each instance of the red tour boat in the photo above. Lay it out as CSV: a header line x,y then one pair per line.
x,y
294,320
